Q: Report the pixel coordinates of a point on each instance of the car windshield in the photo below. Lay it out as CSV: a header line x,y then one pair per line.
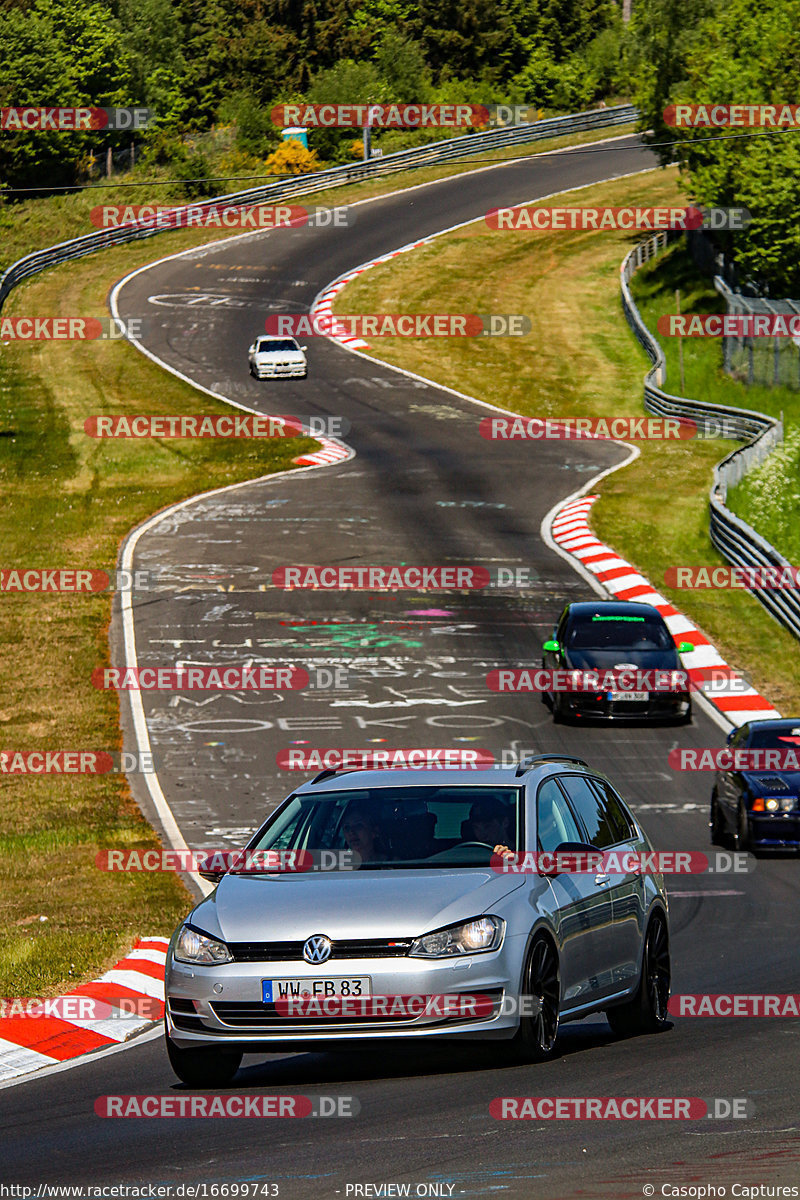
x,y
409,827
785,737
270,345
600,632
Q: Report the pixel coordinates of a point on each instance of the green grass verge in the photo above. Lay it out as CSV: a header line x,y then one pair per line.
x,y
68,500
769,497
581,359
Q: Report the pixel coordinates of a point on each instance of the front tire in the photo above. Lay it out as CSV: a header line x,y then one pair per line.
x,y
205,1066
742,836
541,980
715,823
647,1011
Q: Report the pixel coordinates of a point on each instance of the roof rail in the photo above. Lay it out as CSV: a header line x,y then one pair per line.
x,y
326,774
329,771
530,761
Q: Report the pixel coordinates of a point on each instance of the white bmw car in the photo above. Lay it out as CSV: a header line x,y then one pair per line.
x,y
277,358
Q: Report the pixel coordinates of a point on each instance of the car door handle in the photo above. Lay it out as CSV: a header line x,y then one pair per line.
x,y
602,880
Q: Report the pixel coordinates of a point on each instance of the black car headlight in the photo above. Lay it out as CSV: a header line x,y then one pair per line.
x,y
194,947
477,936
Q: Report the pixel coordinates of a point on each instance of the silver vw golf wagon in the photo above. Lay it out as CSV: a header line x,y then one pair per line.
x,y
408,919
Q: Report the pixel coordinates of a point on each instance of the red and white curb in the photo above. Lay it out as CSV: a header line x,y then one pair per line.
x,y
331,452
570,531
322,305
30,1042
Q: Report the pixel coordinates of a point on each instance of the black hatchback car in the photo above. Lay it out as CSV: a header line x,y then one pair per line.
x,y
615,635
758,805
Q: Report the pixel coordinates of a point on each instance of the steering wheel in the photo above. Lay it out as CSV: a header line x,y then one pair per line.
x,y
454,851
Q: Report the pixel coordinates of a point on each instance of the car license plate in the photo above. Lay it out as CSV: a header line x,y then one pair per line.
x,y
350,985
638,696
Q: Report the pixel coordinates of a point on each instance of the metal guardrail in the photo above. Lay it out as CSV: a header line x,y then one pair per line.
x,y
402,160
737,541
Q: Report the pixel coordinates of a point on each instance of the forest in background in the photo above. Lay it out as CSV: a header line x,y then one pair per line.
x,y
212,70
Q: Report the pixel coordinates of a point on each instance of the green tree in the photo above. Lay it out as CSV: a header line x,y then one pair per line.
x,y
66,53
402,67
747,53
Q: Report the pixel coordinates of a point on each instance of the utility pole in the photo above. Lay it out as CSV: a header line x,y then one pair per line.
x,y
680,339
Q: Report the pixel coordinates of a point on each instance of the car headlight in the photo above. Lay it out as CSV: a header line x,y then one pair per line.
x,y
779,803
471,937
194,947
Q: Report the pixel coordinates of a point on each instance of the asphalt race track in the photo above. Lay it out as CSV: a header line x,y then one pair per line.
x,y
423,488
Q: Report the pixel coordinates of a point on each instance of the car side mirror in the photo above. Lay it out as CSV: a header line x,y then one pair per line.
x,y
552,646
568,848
213,876
685,648
730,736
250,349
304,348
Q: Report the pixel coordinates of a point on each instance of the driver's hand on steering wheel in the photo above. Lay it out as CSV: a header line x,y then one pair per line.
x,y
504,852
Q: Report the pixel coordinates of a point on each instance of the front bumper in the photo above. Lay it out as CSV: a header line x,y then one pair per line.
x,y
291,371
233,1014
660,706
775,831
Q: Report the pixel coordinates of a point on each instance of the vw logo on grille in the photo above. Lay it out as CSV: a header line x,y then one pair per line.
x,y
317,949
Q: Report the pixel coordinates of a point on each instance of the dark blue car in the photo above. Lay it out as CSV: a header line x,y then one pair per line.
x,y
758,804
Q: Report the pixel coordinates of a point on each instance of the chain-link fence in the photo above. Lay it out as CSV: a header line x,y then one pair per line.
x,y
771,361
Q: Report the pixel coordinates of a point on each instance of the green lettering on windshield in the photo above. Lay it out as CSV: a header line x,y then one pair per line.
x,y
619,618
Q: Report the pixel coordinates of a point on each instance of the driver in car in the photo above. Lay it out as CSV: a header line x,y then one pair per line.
x,y
490,822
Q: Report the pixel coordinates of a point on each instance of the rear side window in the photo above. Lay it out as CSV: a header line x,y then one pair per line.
x,y
591,810
554,821
617,817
